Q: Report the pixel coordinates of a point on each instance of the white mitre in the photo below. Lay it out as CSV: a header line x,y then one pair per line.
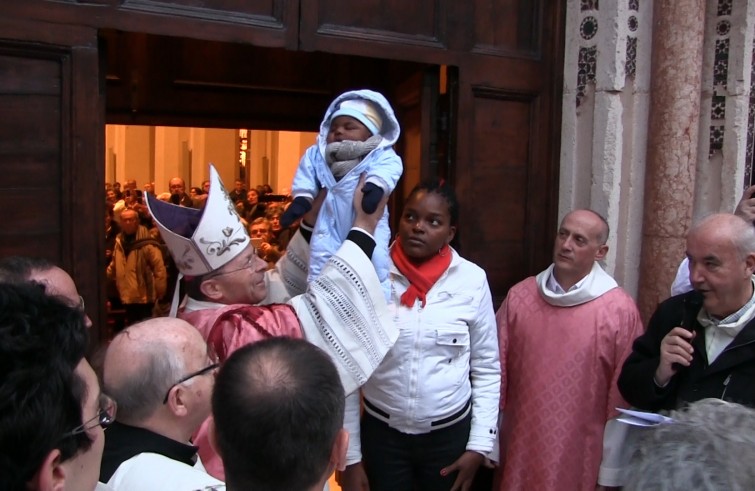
x,y
201,241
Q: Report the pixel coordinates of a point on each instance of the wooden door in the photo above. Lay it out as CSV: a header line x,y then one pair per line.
x,y
51,139
496,124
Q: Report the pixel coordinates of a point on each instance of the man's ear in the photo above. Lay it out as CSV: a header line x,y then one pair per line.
x,y
338,453
51,476
602,251
750,263
211,289
176,402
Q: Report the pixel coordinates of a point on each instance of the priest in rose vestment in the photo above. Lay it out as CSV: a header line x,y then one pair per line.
x,y
564,335
233,300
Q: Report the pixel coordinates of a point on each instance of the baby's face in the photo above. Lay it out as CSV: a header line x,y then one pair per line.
x,y
347,128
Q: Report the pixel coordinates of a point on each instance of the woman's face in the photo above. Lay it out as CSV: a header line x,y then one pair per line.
x,y
425,226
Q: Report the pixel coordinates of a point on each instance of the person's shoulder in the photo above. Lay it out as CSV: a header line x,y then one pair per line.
x,y
618,294
524,289
261,313
148,471
676,302
526,284
670,311
387,153
466,267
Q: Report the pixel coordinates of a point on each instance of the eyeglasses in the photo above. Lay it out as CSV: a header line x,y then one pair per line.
x,y
214,363
104,418
250,263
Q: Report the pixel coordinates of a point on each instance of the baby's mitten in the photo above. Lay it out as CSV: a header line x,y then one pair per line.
x,y
372,196
298,207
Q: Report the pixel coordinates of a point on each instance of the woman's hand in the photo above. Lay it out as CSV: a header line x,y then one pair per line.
x,y
467,466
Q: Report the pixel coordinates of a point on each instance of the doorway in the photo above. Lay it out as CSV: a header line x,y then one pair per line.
x,y
167,81
70,68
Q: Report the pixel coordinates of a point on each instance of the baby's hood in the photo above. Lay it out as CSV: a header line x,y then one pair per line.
x,y
390,130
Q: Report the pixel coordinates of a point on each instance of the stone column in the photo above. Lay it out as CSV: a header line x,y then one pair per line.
x,y
676,72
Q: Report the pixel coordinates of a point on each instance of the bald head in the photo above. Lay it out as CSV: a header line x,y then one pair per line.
x,y
143,361
598,224
57,282
19,269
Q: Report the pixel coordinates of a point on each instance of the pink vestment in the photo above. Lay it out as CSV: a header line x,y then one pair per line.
x,y
559,370
229,328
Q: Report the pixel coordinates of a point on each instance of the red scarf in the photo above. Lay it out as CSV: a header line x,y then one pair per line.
x,y
421,277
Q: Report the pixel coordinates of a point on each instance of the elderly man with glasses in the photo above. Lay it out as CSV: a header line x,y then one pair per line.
x,y
161,372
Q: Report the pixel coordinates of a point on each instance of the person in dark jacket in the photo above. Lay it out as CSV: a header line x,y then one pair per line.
x,y
701,344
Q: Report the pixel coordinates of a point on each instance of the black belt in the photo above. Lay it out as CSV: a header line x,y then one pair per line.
x,y
445,421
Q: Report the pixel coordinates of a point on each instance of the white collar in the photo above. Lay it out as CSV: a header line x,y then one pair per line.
x,y
193,305
555,287
592,286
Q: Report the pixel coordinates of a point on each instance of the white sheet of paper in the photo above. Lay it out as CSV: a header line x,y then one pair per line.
x,y
642,418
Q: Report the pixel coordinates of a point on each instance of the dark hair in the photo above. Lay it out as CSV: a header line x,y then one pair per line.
x,y
441,187
42,340
18,269
278,406
197,190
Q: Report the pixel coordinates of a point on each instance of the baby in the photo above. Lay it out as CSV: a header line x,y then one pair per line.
x,y
356,135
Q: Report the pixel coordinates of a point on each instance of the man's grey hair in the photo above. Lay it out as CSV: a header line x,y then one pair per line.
x,y
744,239
141,394
709,447
740,231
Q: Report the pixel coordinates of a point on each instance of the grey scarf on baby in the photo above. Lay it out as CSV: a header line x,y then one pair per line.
x,y
344,156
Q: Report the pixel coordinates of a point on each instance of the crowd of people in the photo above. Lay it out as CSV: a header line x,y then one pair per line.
x,y
390,367
141,273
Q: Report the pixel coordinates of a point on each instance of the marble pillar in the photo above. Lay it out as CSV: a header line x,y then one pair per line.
x,y
676,72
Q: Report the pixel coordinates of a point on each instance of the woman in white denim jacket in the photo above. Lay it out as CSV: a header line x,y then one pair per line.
x,y
431,407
